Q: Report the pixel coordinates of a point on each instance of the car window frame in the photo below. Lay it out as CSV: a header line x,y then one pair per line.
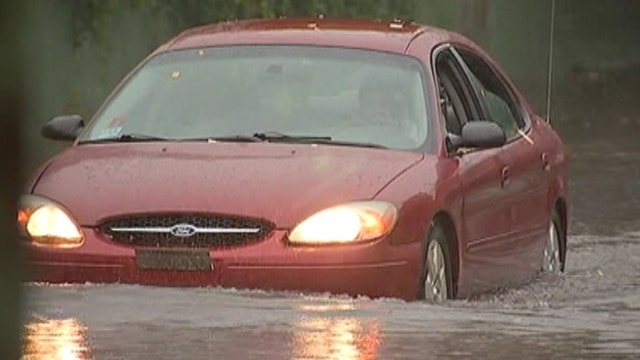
x,y
437,53
428,145
523,120
469,96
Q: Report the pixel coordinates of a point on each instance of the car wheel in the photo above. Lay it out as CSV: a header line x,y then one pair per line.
x,y
436,281
552,258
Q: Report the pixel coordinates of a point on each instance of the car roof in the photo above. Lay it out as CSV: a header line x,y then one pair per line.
x,y
391,36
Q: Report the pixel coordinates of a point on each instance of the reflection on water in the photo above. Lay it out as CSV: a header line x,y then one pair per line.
x,y
591,312
320,335
338,338
50,339
326,307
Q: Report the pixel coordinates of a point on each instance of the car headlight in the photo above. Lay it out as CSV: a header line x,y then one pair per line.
x,y
347,223
45,222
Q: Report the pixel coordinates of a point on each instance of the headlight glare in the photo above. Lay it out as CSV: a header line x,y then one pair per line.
x,y
46,223
352,222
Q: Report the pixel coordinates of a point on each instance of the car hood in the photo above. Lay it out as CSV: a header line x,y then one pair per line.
x,y
280,182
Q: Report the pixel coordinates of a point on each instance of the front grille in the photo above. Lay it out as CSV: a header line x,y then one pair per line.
x,y
186,230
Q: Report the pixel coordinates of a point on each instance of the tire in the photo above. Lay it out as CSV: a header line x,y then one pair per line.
x,y
554,253
436,281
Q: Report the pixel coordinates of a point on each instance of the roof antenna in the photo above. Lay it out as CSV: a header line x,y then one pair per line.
x,y
550,65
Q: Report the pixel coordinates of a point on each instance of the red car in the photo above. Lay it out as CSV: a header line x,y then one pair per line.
x,y
385,159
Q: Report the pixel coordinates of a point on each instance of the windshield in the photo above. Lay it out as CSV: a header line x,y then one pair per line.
x,y
345,95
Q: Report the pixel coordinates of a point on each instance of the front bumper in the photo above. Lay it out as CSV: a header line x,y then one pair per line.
x,y
374,269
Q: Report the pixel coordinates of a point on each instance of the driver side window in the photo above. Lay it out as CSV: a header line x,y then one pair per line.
x,y
456,105
496,99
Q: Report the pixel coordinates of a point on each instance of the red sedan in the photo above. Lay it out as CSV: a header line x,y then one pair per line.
x,y
385,159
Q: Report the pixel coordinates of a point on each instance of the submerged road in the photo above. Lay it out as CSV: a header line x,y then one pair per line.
x,y
591,312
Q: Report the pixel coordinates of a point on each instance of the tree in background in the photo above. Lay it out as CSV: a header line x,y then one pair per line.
x,y
91,16
78,50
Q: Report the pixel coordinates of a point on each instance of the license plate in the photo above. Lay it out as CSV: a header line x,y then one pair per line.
x,y
174,259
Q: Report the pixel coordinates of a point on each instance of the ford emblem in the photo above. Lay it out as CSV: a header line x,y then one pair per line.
x,y
183,230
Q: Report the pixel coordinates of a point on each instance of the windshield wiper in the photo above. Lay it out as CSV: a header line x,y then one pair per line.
x,y
350,143
261,137
132,137
273,136
232,138
143,137
325,140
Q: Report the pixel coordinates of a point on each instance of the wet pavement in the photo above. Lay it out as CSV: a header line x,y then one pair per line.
x,y
590,312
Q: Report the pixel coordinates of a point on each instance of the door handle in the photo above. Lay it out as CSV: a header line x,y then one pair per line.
x,y
505,176
544,157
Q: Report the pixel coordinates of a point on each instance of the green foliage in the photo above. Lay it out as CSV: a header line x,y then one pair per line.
x,y
91,16
79,49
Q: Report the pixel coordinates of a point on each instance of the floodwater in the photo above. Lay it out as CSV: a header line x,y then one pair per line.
x,y
590,312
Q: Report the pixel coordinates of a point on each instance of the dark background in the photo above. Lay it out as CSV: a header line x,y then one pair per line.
x,y
11,101
78,50
63,57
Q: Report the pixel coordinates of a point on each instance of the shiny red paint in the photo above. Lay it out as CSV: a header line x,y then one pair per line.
x,y
498,220
293,180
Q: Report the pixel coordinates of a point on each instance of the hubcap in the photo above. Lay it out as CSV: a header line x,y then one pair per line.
x,y
551,259
435,284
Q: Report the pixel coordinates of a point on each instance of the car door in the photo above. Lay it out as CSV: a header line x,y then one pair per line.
x,y
524,182
485,213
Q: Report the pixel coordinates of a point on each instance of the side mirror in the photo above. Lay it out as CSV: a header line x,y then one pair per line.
x,y
65,127
482,134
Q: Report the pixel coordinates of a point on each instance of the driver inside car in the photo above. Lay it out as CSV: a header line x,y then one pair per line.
x,y
384,104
